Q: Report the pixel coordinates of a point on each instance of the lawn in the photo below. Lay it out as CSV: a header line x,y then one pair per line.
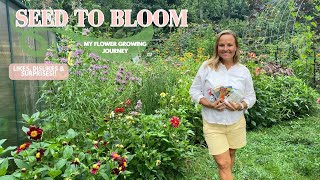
x,y
290,150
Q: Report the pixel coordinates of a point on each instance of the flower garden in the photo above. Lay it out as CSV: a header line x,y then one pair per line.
x,y
135,120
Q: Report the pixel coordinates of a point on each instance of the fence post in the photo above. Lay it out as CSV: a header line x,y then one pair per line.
x,y
314,67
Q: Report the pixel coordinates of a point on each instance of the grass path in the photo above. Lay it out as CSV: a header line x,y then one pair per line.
x,y
290,150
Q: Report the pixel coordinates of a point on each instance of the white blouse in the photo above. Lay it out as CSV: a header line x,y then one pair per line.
x,y
238,76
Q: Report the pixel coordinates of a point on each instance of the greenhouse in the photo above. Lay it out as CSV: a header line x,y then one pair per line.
x,y
17,97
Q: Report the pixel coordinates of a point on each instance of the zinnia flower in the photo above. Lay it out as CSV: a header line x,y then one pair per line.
x,y
115,156
95,168
128,102
23,146
39,154
34,132
119,110
122,166
76,161
175,121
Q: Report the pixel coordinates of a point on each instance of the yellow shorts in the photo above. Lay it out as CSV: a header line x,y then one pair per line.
x,y
220,138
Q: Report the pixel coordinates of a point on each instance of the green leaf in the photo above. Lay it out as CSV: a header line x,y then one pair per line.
x,y
3,167
25,117
104,175
54,172
25,129
21,164
67,153
2,141
35,116
60,163
81,156
71,134
7,177
10,148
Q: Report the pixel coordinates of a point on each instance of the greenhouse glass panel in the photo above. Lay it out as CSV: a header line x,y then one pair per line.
x,y
7,110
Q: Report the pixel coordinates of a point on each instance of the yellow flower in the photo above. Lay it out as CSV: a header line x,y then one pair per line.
x,y
163,94
158,162
129,117
70,61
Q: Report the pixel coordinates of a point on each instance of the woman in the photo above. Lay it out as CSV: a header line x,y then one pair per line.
x,y
224,125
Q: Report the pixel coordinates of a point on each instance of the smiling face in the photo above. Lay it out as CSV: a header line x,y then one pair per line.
x,y
227,47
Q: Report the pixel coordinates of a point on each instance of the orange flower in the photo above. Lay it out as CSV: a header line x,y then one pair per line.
x,y
257,71
252,55
115,156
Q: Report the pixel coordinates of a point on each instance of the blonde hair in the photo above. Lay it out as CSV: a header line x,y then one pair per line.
x,y
215,60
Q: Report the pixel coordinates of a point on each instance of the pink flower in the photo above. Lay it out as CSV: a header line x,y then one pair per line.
x,y
95,168
175,121
318,101
115,156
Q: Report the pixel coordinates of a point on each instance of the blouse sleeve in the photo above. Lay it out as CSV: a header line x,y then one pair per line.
x,y
250,95
196,89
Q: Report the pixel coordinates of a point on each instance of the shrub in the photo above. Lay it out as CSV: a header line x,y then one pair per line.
x,y
280,98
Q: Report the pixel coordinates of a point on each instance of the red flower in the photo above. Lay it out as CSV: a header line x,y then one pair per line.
x,y
95,168
175,121
318,101
39,154
122,166
34,132
119,110
23,146
128,102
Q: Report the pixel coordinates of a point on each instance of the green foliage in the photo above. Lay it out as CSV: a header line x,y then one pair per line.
x,y
157,147
156,78
280,98
304,69
66,157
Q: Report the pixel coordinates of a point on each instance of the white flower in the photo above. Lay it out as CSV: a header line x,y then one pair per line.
x,y
112,114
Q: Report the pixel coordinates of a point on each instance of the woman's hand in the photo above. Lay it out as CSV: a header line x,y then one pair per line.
x,y
232,106
218,105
